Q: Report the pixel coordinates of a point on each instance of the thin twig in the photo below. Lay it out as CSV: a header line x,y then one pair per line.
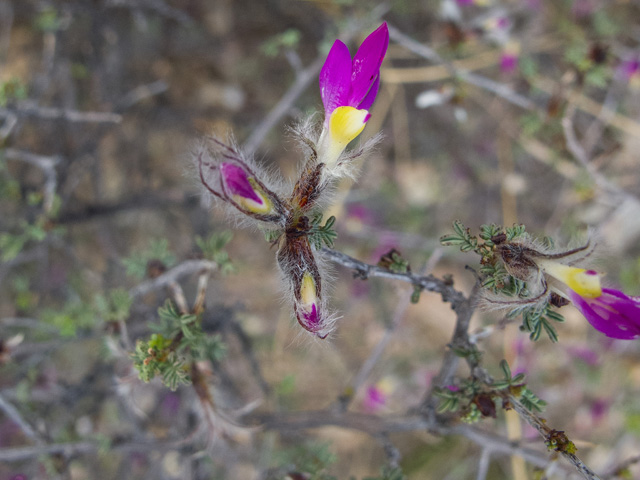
x,y
51,113
427,53
426,282
483,464
621,467
547,433
184,268
578,152
374,426
12,412
45,163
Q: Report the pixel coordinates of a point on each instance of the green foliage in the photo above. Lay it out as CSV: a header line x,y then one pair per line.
x,y
398,264
74,315
115,306
320,235
469,352
47,20
488,232
472,415
531,123
213,249
158,250
604,25
509,381
178,342
461,237
287,40
494,275
389,473
11,90
415,295
449,400
154,358
514,232
11,244
536,319
531,401
311,459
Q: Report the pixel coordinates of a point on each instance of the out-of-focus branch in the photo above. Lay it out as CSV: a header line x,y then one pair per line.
x,y
503,91
44,163
164,280
375,426
579,153
12,412
52,113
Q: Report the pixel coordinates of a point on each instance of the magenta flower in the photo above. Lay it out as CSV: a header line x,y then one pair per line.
x,y
375,399
508,62
348,89
344,82
629,69
613,313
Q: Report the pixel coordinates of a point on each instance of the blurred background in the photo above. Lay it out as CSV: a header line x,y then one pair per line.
x,y
493,111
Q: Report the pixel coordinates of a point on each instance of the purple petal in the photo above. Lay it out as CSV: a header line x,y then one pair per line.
x,y
366,64
612,313
236,179
371,95
335,78
311,319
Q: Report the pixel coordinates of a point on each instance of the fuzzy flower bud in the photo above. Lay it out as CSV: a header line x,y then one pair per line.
x,y
235,182
298,264
244,190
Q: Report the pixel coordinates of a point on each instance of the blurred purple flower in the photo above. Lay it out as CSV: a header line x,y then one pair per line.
x,y
375,399
508,62
465,2
585,354
629,69
19,476
613,313
583,8
344,82
170,404
599,409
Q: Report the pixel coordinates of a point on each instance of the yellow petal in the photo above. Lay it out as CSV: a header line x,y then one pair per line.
x,y
585,283
345,124
308,294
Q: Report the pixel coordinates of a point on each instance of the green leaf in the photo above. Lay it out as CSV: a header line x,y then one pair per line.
x,y
320,235
461,237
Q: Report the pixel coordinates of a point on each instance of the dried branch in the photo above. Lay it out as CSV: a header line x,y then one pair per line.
x,y
46,164
578,152
427,53
51,113
164,280
374,426
12,412
549,435
427,282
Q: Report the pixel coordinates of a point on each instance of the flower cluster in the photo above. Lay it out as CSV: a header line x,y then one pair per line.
x,y
348,89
